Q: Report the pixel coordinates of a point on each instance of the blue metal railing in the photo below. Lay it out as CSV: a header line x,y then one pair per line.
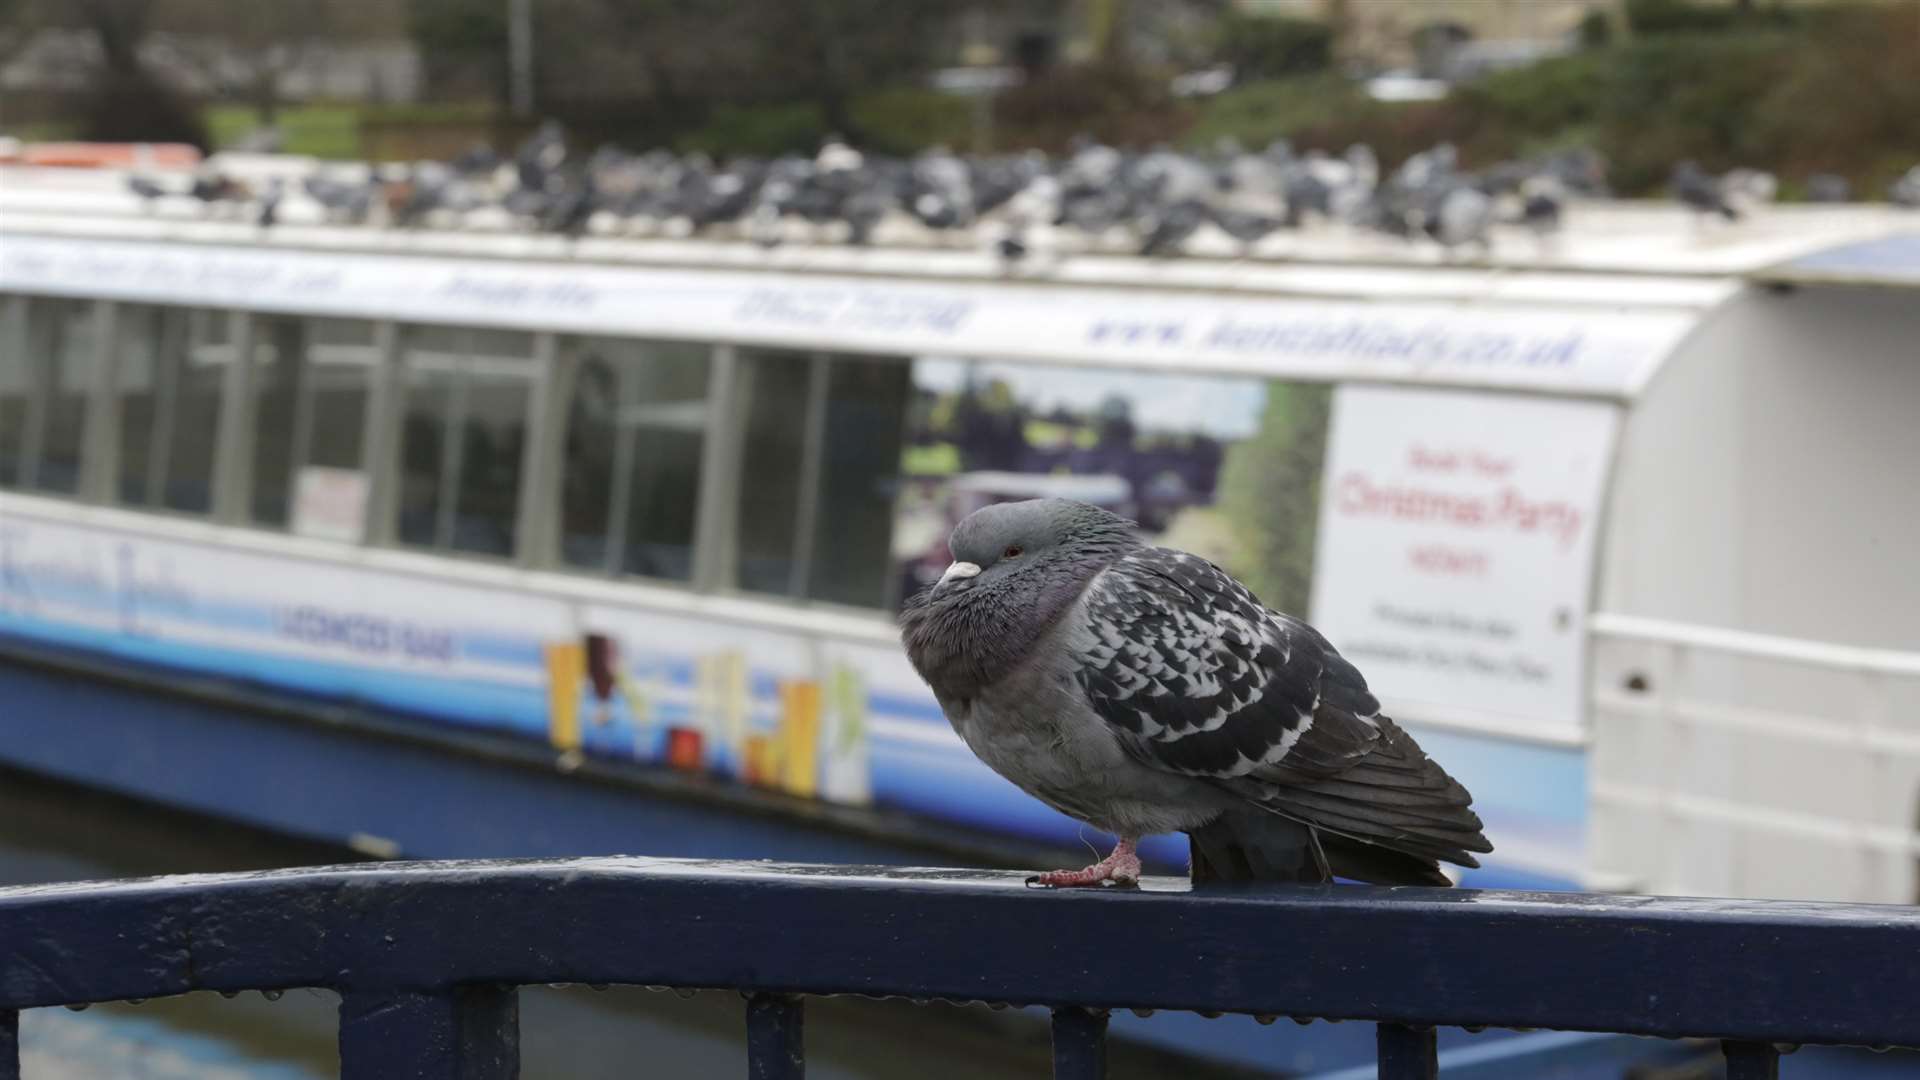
x,y
427,956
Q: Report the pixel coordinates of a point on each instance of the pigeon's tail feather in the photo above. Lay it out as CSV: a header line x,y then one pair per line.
x,y
1250,844
1375,865
1396,798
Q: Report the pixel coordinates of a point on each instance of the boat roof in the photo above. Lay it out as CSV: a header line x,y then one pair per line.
x,y
1886,262
1609,237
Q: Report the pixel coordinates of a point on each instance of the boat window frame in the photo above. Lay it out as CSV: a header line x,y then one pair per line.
x,y
551,367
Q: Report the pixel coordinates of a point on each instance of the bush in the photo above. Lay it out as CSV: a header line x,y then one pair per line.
x,y
1847,107
1109,101
1274,47
1835,93
1679,16
906,119
1256,113
766,130
1330,112
1551,96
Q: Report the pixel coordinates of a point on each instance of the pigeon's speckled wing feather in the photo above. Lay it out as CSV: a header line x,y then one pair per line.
x,y
1196,676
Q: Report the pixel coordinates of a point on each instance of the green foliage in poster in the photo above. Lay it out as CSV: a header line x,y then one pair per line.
x,y
1270,494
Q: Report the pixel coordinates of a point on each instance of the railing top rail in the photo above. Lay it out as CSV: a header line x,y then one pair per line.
x,y
1749,970
1746,643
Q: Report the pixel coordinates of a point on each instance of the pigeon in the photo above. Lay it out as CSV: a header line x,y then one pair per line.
x,y
1460,216
147,189
1542,204
1906,190
1700,192
1143,690
268,213
1829,188
1168,228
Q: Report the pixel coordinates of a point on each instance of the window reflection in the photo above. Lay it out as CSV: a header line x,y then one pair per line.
x,y
776,390
636,430
60,335
311,378
170,365
859,470
820,459
16,390
463,432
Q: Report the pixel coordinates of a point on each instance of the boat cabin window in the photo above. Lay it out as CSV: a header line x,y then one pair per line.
x,y
636,428
16,389
862,430
47,358
819,465
170,365
464,427
311,381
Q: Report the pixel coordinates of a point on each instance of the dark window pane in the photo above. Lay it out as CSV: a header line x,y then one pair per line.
x,y
662,503
860,464
463,431
279,368
586,476
343,356
636,429
138,375
494,434
169,366
196,412
312,377
423,450
776,386
16,390
62,332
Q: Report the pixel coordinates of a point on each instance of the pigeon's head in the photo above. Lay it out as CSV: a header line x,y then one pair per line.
x,y
1016,567
1008,540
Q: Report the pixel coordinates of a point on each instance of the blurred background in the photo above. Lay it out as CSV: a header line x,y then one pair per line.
x,y
498,428
1799,88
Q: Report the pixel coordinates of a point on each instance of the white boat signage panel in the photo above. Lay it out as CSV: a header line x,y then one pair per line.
x,y
1568,348
1456,552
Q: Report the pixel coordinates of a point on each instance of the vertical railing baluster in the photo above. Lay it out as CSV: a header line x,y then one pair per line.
x,y
9,1045
1079,1044
452,1033
1407,1053
776,1042
1751,1060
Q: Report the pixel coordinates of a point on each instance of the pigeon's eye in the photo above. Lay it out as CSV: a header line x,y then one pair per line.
x,y
1013,552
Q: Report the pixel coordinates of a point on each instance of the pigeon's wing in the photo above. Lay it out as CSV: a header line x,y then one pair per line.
x,y
1196,676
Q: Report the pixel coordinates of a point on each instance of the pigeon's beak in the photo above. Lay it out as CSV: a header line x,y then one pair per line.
x,y
960,571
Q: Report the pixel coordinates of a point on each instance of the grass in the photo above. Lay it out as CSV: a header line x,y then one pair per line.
x,y
322,131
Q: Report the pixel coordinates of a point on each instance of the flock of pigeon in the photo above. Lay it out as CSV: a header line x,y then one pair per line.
x,y
1152,203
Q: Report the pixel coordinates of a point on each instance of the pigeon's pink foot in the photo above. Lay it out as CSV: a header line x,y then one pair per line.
x,y
1122,868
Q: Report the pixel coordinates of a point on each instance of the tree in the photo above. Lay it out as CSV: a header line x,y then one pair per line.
x,y
463,47
128,102
251,46
825,51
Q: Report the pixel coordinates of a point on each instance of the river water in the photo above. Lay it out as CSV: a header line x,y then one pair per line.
x,y
51,832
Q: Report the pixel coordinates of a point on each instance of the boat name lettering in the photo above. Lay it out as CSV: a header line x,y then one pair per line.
x,y
363,633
